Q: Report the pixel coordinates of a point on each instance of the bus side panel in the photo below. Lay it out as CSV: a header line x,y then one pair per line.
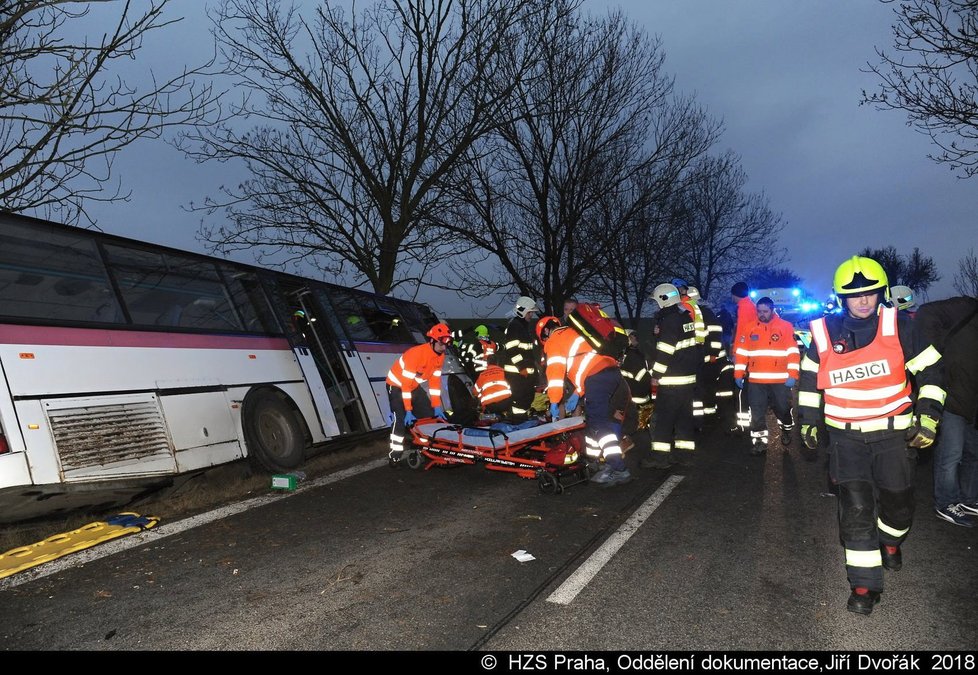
x,y
202,428
52,369
41,454
14,471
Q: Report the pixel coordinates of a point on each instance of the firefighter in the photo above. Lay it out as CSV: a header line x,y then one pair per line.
x,y
475,352
769,359
493,390
596,378
419,364
635,369
713,356
674,374
855,372
699,325
519,358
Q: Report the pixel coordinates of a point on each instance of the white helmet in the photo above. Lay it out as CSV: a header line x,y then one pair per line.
x,y
524,306
666,295
902,297
693,293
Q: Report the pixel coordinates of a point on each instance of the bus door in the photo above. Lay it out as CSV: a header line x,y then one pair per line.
x,y
317,348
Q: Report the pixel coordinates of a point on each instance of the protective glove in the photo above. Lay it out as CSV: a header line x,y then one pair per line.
x,y
409,418
809,436
571,403
440,412
790,382
922,432
739,381
555,411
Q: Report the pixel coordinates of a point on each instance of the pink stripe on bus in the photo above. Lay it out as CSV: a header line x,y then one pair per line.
x,y
382,347
97,337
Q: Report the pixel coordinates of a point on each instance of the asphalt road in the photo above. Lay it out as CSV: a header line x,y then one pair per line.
x,y
730,552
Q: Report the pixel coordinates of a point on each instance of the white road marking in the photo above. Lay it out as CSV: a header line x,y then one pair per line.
x,y
169,529
576,582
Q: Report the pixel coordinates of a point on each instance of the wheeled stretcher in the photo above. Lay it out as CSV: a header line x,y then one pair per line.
x,y
552,452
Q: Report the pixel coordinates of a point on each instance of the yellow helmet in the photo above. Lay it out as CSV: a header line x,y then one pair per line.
x,y
858,275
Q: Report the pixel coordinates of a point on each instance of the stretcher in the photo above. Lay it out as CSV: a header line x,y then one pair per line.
x,y
552,453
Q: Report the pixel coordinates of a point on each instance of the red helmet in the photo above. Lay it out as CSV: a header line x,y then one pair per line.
x,y
545,325
440,332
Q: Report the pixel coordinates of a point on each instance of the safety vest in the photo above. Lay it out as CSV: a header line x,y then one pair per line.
x,y
570,356
414,366
491,386
768,352
868,383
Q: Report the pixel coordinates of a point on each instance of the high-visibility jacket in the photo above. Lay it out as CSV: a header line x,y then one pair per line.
x,y
867,383
518,354
677,356
858,366
746,317
635,370
570,356
491,386
699,323
417,364
767,352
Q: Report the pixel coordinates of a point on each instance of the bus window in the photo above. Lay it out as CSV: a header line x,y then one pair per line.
x,y
55,276
162,289
351,315
388,323
251,302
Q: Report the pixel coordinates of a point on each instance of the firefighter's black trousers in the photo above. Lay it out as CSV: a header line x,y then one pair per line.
x,y
874,472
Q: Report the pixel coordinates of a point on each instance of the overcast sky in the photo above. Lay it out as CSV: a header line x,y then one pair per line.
x,y
785,79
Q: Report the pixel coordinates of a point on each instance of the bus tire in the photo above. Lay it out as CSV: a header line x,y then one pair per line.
x,y
272,431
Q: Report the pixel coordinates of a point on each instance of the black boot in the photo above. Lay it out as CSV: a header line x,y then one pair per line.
x,y
758,449
862,600
785,437
892,557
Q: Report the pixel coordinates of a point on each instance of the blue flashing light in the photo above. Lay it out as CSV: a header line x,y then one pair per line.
x,y
753,294
795,292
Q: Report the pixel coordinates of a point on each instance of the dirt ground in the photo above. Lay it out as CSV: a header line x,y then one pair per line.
x,y
201,491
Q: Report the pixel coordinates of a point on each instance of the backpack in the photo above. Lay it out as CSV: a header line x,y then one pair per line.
x,y
599,330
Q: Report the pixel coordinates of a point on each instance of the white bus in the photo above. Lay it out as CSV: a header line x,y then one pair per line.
x,y
124,364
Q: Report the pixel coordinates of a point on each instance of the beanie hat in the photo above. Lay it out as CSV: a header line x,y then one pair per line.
x,y
739,289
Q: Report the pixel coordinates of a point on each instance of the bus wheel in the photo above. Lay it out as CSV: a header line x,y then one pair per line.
x,y
273,433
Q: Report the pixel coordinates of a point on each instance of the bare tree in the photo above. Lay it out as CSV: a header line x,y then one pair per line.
x,y
966,279
64,113
914,269
546,195
934,76
356,124
724,230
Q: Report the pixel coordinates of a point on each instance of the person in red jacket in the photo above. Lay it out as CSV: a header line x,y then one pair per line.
x,y
768,356
419,364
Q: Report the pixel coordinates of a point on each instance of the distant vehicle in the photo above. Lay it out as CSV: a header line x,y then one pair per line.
x,y
792,304
125,363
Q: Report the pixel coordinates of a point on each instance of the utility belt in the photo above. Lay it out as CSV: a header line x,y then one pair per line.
x,y
894,423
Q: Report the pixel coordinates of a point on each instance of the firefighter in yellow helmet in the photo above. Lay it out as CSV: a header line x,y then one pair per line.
x,y
854,374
